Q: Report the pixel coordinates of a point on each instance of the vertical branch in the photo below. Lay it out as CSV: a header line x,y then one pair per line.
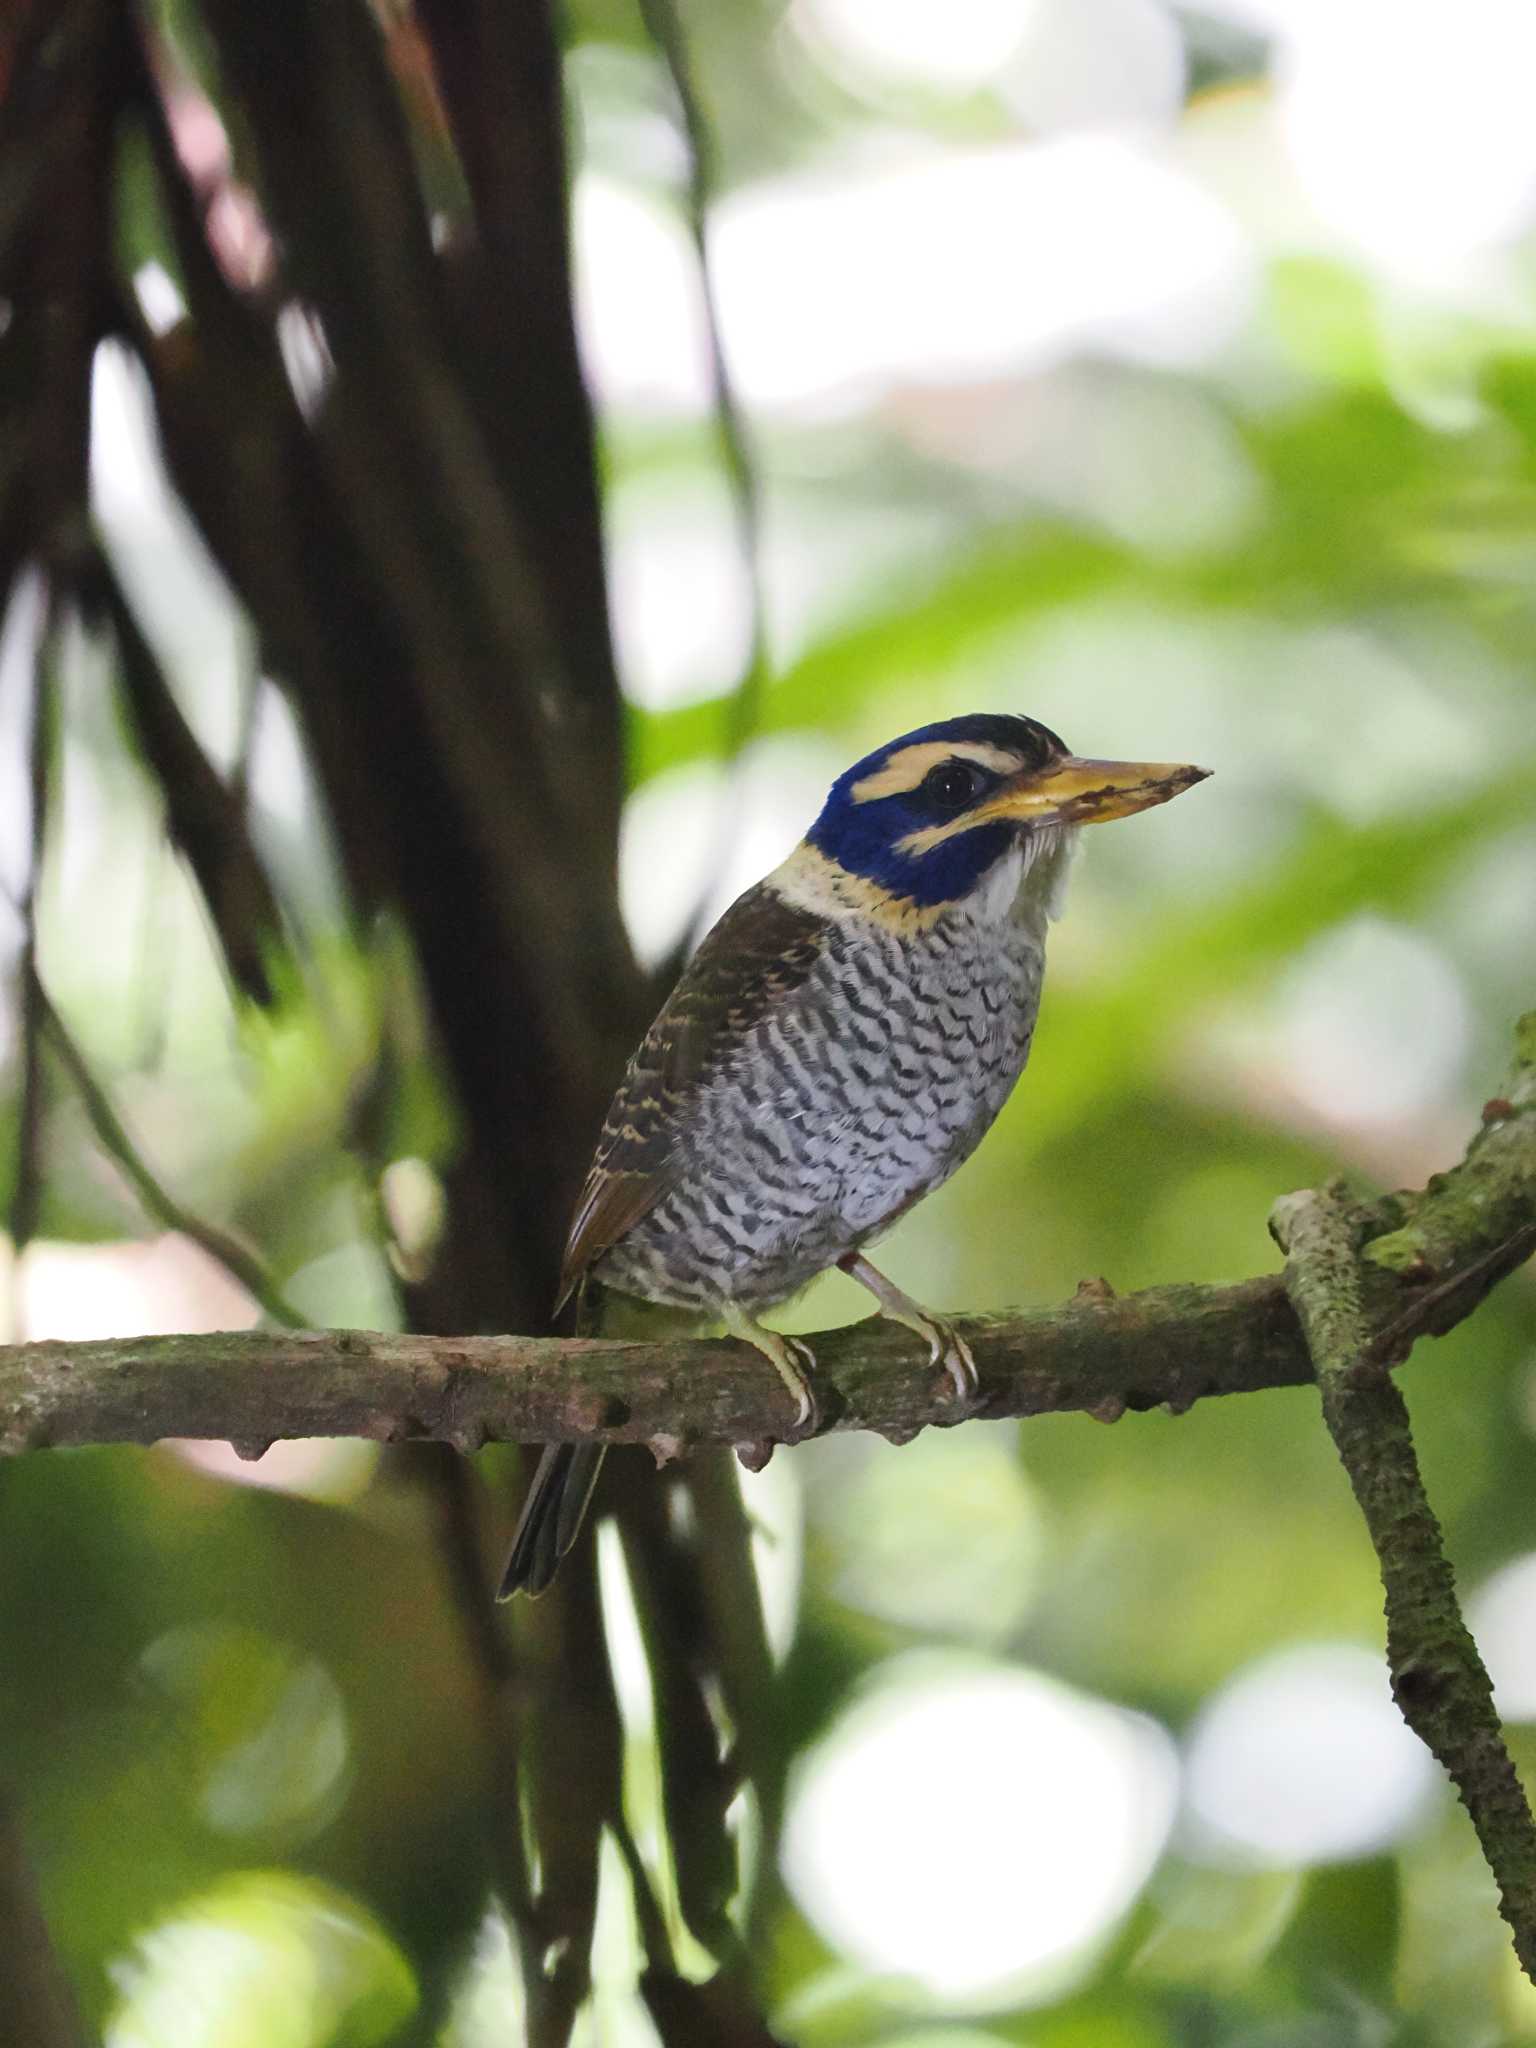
x,y
480,803
697,1782
452,1485
1438,1679
39,2008
749,1683
498,70
575,1749
436,606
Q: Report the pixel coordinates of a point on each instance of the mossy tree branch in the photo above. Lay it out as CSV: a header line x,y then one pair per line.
x,y
1340,1273
1100,1353
1425,1261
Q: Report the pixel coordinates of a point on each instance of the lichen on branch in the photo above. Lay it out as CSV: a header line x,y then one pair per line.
x,y
1467,1227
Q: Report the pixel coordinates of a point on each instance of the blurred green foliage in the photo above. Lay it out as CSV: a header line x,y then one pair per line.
x,y
246,1742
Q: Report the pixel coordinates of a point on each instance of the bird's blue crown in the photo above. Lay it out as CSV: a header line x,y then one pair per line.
x,y
921,788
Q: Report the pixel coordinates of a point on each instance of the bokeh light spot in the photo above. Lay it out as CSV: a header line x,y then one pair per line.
x,y
942,1535
1303,1758
263,1728
955,48
1375,1024
1502,1617
973,1828
262,1960
1094,63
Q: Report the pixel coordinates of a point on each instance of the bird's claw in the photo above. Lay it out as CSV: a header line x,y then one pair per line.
x,y
947,1348
794,1362
797,1373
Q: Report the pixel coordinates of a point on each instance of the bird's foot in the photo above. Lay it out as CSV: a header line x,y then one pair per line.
x,y
946,1346
793,1361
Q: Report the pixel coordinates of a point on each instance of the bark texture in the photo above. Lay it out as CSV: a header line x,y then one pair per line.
x,y
1361,1305
1468,1220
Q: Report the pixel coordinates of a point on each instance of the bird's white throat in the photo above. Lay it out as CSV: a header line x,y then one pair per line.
x,y
1029,884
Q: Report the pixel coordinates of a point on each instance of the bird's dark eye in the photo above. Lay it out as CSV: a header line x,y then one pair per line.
x,y
953,784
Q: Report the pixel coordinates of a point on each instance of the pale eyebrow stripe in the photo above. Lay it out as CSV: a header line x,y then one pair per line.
x,y
906,769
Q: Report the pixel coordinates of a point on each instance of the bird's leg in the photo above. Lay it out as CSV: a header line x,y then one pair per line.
x,y
792,1360
946,1346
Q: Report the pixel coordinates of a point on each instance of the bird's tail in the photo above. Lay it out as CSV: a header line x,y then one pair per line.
x,y
552,1516
561,1492
566,1474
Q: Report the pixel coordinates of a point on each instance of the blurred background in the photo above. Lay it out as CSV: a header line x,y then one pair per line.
x,y
1166,373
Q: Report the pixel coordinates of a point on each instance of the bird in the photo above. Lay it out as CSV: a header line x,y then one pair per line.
x,y
838,1045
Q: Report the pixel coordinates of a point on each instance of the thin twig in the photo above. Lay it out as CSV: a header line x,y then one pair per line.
x,y
26,1198
655,1942
1438,1678
744,703
666,31
206,820
1464,1288
154,1197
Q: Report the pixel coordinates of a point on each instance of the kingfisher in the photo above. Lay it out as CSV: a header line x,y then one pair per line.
x,y
838,1045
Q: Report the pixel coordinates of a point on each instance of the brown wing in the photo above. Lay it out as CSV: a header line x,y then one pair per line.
x,y
761,950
